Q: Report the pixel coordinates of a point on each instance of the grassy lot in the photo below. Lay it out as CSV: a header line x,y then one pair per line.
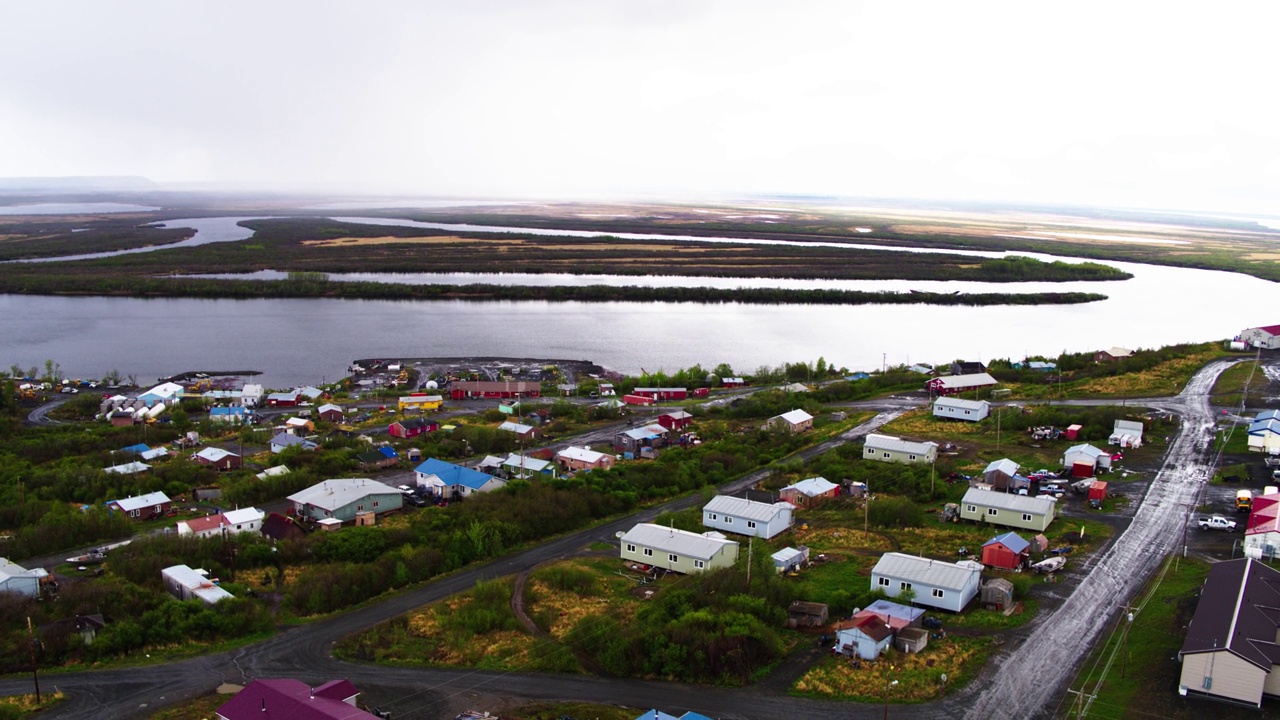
x,y
919,675
201,708
1142,680
1166,378
21,706
1230,389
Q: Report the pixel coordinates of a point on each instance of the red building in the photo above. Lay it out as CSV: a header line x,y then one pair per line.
x,y
412,427
675,420
637,400
662,393
1008,551
463,389
953,384
1098,491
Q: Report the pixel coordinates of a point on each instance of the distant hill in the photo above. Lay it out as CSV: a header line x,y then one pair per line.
x,y
96,183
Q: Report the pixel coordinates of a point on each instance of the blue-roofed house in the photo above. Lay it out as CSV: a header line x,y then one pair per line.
x,y
135,449
857,376
454,481
1264,432
1008,551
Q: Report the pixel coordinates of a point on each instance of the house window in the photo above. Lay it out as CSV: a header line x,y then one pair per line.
x,y
992,511
886,454
699,564
631,547
713,516
673,557
904,585
973,508
1026,517
360,507
938,593
648,552
882,582
911,457
966,412
375,503
728,520
751,524
133,513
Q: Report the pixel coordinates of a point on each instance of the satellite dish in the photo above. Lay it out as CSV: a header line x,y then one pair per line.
x,y
619,534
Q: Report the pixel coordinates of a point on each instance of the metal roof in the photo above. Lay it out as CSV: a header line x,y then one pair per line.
x,y
243,515
937,573
679,542
889,442
1009,501
749,509
340,492
198,584
962,403
516,460
965,381
581,454
214,454
451,474
515,427
648,431
1087,449
795,417
1011,540
1237,612
1005,465
138,502
813,487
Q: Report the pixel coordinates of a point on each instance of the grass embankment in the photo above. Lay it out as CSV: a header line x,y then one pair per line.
x,y
14,707
1241,385
1165,378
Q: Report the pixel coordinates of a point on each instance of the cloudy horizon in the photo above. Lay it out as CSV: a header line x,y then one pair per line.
x,y
1148,106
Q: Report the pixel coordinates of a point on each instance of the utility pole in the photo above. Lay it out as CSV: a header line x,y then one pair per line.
x,y
1080,706
1124,638
35,665
750,555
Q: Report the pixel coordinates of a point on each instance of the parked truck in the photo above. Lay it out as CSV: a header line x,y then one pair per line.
x,y
1244,500
1217,522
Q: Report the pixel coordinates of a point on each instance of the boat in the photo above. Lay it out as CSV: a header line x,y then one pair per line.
x,y
88,558
1050,564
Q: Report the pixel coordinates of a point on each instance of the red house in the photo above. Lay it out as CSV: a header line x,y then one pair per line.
x,y
637,400
463,389
953,384
662,393
1008,551
143,507
675,420
412,427
217,458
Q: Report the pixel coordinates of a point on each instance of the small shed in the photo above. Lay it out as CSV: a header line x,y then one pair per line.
x,y
911,640
1098,491
997,593
329,524
807,614
788,559
1008,551
1040,542
1073,432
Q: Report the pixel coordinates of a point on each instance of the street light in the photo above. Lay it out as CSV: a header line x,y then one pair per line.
x,y
887,685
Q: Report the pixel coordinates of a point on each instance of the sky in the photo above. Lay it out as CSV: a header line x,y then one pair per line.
x,y
1139,104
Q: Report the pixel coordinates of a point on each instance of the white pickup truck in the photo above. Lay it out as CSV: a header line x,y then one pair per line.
x,y
1217,522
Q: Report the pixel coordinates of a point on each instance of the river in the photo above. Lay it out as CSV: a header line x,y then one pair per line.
x,y
297,341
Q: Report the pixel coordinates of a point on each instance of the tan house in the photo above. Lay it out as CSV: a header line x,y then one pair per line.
x,y
794,421
1230,651
677,550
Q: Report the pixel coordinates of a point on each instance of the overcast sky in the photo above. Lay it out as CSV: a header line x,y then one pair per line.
x,y
1142,104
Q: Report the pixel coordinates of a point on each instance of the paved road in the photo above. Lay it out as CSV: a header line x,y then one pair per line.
x,y
1020,684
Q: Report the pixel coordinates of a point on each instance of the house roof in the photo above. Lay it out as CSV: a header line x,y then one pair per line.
x,y
328,407
297,422
677,415
452,475
1129,427
1239,610
1006,466
895,612
204,524
228,411
135,449
580,454
680,542
950,382
287,440
1260,427
289,699
643,433
743,508
937,573
1269,329
214,454
165,390
1118,352
1264,516
291,396
243,515
13,570
1087,449
1008,501
515,427
415,423
1011,540
795,387
340,492
785,555
154,453
813,487
961,403
1267,415
273,472
198,584
137,502
517,461
869,625
889,442
807,608
795,417
129,468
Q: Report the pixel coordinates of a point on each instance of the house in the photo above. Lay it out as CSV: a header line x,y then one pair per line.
x,y
921,368
447,480
289,699
522,431
523,466
998,508
242,520
795,388
217,458
1008,551
733,382
1267,338
412,427
1126,434
463,389
790,559
331,413
1112,354
143,507
675,420
343,498
576,458
279,527
1086,460
283,399
376,460
809,492
1003,475
631,442
88,626
677,550
202,527
864,637
807,614
310,392
421,402
953,384
961,367
934,583
746,517
129,468
794,421
283,441
1230,650
166,393
657,393
887,448
897,616
1264,435
186,584
234,414
18,580
960,409
251,395
997,594
299,426
1262,531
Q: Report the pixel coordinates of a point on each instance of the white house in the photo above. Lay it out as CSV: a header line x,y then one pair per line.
x,y
251,395
887,448
17,579
935,583
1264,433
746,517
243,520
955,408
1267,337
678,550
789,558
1085,460
1126,434
343,499
1008,509
866,636
186,584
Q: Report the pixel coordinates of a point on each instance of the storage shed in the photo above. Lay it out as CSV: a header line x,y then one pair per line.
x,y
997,594
911,640
1098,491
807,614
1008,551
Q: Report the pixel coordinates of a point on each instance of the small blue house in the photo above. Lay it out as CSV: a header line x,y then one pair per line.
x,y
447,480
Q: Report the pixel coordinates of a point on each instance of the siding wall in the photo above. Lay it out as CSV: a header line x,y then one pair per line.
x,y
1232,677
1007,518
683,564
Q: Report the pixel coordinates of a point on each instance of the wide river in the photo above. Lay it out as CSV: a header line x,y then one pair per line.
x,y
311,340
